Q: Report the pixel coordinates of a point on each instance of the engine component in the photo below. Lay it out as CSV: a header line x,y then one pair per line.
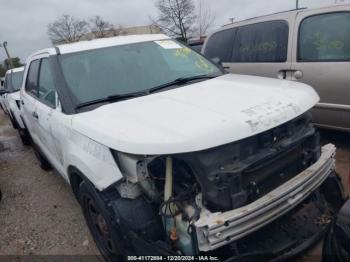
x,y
237,174
175,224
129,190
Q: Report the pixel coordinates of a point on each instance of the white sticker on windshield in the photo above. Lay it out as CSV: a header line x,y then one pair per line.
x,y
168,44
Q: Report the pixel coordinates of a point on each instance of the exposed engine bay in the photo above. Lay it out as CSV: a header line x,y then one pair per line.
x,y
202,201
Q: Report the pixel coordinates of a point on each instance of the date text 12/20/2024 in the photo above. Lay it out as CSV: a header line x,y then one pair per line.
x,y
173,258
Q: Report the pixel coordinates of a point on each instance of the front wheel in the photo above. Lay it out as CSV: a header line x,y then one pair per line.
x,y
99,222
24,135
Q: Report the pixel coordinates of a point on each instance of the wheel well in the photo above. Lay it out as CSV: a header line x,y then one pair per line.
x,y
75,178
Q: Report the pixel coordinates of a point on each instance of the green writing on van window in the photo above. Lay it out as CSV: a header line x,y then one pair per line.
x,y
322,43
261,47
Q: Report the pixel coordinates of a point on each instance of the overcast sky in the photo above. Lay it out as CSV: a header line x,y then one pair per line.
x,y
23,23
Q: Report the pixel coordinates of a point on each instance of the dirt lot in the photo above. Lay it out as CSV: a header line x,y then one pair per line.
x,y
39,214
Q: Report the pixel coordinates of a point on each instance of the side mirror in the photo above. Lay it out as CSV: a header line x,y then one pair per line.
x,y
217,61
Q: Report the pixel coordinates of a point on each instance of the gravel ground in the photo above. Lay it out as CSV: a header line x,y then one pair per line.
x,y
38,212
40,216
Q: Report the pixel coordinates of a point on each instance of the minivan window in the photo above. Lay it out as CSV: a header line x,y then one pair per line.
x,y
220,45
32,78
325,37
261,42
118,70
47,89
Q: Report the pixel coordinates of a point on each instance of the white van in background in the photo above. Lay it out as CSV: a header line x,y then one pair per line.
x,y
308,45
12,104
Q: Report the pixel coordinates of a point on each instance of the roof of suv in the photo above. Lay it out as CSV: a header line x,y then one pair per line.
x,y
282,12
101,43
15,70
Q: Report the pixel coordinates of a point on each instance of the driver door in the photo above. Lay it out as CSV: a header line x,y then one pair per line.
x,y
45,105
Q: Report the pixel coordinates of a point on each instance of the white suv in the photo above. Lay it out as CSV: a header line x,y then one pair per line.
x,y
12,103
167,154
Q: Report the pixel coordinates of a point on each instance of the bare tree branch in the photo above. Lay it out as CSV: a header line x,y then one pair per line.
x,y
67,29
176,17
206,18
100,27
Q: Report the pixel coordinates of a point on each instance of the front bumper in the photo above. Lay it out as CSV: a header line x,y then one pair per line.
x,y
219,229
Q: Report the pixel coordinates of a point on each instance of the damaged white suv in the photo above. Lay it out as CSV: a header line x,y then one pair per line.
x,y
169,155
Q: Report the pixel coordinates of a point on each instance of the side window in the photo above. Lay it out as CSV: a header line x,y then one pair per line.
x,y
325,37
220,44
47,92
261,42
32,78
7,82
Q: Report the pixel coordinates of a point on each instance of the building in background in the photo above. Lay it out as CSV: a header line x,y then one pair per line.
x,y
136,30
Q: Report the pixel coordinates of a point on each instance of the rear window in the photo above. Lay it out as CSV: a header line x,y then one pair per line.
x,y
325,37
262,42
220,45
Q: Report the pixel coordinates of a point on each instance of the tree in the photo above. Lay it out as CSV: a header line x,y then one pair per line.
x,y
67,29
176,17
16,61
2,71
206,19
100,27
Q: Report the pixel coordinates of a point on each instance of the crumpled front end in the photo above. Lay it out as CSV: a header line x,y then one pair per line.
x,y
215,230
236,198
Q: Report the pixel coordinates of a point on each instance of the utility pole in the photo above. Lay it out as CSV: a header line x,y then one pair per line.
x,y
297,4
4,45
232,19
200,19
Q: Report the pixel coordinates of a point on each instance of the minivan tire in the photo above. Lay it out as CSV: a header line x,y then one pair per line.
x,y
44,163
99,222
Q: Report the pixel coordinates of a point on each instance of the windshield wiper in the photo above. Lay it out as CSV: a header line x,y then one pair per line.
x,y
116,98
180,81
110,99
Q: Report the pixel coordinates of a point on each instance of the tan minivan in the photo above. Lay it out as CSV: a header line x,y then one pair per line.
x,y
308,45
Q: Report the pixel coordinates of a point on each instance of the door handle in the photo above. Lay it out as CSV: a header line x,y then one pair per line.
x,y
298,74
35,115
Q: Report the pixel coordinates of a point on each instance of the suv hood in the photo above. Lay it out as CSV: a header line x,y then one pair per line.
x,y
197,116
15,95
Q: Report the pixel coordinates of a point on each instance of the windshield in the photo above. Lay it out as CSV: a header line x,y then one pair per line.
x,y
13,81
118,70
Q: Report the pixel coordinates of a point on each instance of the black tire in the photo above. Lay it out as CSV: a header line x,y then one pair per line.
x,y
100,223
24,135
44,163
13,121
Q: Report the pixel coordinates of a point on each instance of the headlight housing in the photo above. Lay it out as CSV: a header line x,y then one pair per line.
x,y
133,167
